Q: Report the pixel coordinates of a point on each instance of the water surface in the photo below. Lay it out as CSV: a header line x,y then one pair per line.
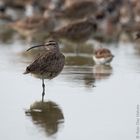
x,y
84,102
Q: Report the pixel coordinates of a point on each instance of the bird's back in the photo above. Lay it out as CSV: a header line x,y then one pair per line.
x,y
75,31
48,65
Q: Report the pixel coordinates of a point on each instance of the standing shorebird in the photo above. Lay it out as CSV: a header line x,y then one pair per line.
x,y
49,64
79,31
103,56
76,33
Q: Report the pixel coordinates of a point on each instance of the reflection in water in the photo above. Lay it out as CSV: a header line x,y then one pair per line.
x,y
102,71
88,74
137,47
46,115
79,74
89,80
79,60
83,48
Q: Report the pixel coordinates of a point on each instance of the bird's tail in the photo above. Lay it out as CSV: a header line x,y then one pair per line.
x,y
26,71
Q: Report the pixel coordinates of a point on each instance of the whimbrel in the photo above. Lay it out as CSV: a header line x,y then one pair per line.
x,y
79,31
49,64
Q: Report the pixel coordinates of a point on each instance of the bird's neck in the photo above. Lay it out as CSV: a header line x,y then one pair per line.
x,y
55,50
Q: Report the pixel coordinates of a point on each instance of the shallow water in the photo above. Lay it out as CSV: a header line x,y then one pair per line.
x,y
84,102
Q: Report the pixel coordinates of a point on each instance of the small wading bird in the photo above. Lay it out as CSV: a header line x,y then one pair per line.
x,y
47,65
103,56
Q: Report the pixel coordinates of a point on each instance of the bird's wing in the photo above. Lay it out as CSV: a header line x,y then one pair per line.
x,y
72,29
48,62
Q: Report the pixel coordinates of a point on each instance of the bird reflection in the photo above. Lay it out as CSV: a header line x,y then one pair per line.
x,y
79,60
88,75
46,115
89,80
102,71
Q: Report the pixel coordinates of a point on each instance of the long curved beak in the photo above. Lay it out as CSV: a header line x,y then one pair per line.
x,y
35,47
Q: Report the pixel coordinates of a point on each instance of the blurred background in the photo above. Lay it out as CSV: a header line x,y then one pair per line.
x,y
86,101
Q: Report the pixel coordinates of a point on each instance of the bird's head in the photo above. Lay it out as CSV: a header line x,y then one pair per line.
x,y
49,45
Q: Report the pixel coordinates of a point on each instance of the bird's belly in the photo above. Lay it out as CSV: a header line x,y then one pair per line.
x,y
102,60
46,75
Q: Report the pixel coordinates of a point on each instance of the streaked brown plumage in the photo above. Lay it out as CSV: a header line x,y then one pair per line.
x,y
47,65
79,31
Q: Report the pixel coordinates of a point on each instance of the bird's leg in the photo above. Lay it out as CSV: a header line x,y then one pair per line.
x,y
76,50
43,86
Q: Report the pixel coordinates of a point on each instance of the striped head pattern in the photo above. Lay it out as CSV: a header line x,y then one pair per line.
x,y
52,45
49,45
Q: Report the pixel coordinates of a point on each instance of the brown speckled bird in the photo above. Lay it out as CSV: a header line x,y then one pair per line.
x,y
79,31
49,64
